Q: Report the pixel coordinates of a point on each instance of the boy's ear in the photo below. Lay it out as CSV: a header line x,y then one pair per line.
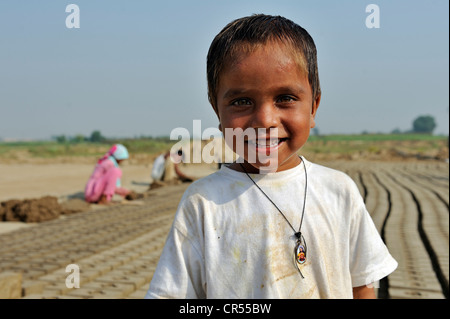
x,y
314,108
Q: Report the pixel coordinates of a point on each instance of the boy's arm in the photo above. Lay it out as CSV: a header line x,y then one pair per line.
x,y
363,292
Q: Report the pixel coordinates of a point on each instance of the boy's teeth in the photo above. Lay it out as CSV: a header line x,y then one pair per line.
x,y
269,143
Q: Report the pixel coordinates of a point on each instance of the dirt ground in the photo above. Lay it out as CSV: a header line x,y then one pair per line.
x,y
20,181
64,182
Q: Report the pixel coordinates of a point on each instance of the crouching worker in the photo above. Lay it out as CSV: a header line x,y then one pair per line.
x,y
105,180
166,170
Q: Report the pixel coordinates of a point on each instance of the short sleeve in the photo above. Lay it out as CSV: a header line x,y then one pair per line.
x,y
179,273
370,259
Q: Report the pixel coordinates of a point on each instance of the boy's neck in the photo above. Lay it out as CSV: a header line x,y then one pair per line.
x,y
254,170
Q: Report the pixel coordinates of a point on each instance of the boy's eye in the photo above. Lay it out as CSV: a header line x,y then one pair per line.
x,y
285,99
241,102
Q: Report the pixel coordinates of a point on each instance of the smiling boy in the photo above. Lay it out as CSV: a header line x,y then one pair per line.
x,y
266,89
273,225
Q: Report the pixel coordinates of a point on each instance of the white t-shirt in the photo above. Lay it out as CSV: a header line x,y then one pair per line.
x,y
228,241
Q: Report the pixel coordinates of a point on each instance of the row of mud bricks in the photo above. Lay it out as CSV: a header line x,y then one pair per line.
x,y
409,206
102,253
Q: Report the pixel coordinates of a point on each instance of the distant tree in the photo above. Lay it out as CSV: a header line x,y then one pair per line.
x,y
60,138
78,138
424,124
96,137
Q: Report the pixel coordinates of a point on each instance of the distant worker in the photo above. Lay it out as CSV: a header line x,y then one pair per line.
x,y
166,169
105,181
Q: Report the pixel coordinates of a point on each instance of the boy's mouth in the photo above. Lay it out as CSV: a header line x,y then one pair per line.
x,y
266,145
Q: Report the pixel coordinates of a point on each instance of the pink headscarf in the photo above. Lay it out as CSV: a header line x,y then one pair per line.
x,y
118,151
108,154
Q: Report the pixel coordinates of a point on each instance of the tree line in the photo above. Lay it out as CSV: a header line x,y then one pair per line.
x,y
97,137
424,124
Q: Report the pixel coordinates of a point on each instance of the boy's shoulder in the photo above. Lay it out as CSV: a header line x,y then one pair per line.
x,y
333,179
213,183
326,171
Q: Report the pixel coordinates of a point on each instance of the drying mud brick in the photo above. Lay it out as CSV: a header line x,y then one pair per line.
x,y
10,285
32,287
73,206
47,208
31,210
39,209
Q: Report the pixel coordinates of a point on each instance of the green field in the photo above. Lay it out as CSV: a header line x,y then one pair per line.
x,y
362,144
416,144
51,149
379,137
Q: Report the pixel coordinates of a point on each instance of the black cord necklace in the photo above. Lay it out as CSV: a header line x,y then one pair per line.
x,y
300,246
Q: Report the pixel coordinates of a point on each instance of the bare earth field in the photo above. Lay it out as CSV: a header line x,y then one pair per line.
x,y
117,247
67,180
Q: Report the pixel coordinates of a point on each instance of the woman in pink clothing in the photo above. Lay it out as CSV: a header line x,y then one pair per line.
x,y
105,180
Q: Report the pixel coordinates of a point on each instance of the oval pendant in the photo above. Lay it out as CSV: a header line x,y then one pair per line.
x,y
300,253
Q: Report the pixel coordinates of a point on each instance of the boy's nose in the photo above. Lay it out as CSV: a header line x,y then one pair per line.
x,y
265,116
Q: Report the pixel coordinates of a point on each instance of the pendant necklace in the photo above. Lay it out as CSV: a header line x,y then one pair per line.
x,y
300,248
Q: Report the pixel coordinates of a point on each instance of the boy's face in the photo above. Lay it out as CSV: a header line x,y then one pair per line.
x,y
266,90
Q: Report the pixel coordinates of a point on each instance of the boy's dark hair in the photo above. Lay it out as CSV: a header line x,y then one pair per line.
x,y
259,29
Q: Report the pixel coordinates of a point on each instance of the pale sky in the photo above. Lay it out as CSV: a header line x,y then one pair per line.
x,y
139,67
